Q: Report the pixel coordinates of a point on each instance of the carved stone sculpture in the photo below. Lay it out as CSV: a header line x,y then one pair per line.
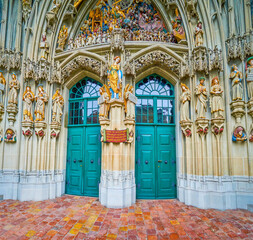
x,y
28,98
239,135
199,35
14,86
41,99
217,106
10,135
237,88
178,29
63,35
130,100
44,46
2,87
58,103
104,102
249,77
201,105
185,99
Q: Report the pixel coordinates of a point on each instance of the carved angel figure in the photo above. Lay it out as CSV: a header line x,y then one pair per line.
x,y
2,86
185,99
201,105
104,105
28,98
41,99
129,104
237,88
217,107
199,40
14,85
249,77
58,103
63,35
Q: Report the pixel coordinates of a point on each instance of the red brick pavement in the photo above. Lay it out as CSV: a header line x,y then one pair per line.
x,y
73,217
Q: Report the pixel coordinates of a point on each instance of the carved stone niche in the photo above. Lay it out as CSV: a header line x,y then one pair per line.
x,y
234,48
217,126
215,59
202,126
250,108
12,110
27,129
186,127
237,110
199,57
117,41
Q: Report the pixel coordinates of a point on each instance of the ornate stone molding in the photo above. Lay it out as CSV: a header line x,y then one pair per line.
x,y
56,74
10,59
40,129
248,44
185,68
27,8
27,129
191,8
215,59
186,127
1,112
117,41
250,108
12,110
217,126
55,130
199,58
202,126
234,48
237,110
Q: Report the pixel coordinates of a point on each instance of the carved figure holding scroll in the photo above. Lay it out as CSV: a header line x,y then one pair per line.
x,y
13,93
104,105
130,101
217,106
201,93
2,87
249,77
58,103
185,99
237,88
41,99
239,135
28,98
199,40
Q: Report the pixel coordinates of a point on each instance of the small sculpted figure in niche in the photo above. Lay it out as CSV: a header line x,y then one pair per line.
x,y
41,98
2,86
28,98
217,107
63,35
13,93
105,105
178,30
131,137
199,40
44,46
201,103
249,77
58,103
129,104
10,136
115,78
237,88
239,135
185,99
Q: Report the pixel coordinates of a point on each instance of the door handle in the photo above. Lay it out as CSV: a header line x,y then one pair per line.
x,y
74,161
146,162
92,161
160,161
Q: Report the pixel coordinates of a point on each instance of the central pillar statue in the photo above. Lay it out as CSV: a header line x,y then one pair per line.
x,y
117,187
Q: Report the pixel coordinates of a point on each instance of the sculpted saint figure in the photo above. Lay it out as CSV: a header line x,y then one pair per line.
x,y
129,104
115,78
55,7
199,40
104,106
2,86
201,105
249,77
28,98
13,93
239,135
63,35
237,88
185,99
58,103
217,107
41,99
44,46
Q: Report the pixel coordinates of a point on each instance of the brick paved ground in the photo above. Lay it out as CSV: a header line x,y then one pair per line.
x,y
72,217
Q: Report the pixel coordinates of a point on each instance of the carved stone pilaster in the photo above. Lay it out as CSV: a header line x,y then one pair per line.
x,y
1,112
237,110
217,126
186,127
40,129
200,59
12,110
55,130
27,129
234,48
250,108
215,59
202,126
117,41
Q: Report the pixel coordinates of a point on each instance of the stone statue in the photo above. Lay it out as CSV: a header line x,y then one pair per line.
x,y
199,40
178,30
239,135
58,103
44,46
217,106
41,99
63,35
201,105
185,99
115,78
55,7
129,102
237,88
249,77
28,98
14,85
104,102
2,86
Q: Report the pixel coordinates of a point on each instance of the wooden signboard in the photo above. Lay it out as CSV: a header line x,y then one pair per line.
x,y
116,136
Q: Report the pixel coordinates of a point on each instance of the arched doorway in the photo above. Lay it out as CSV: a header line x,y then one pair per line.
x,y
84,146
155,142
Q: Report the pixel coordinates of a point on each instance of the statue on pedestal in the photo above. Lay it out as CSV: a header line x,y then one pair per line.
x,y
104,101
58,103
130,100
14,85
28,98
237,88
2,87
41,99
201,105
185,99
199,40
217,107
249,77
115,78
44,46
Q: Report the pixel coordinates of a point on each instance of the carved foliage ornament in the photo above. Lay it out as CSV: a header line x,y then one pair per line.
x,y
10,59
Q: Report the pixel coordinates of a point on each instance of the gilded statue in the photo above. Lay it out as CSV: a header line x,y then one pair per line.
x,y
237,88
201,103
63,35
199,39
178,30
28,98
118,15
249,77
2,86
115,78
58,103
41,99
185,99
217,106
129,103
14,86
104,106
